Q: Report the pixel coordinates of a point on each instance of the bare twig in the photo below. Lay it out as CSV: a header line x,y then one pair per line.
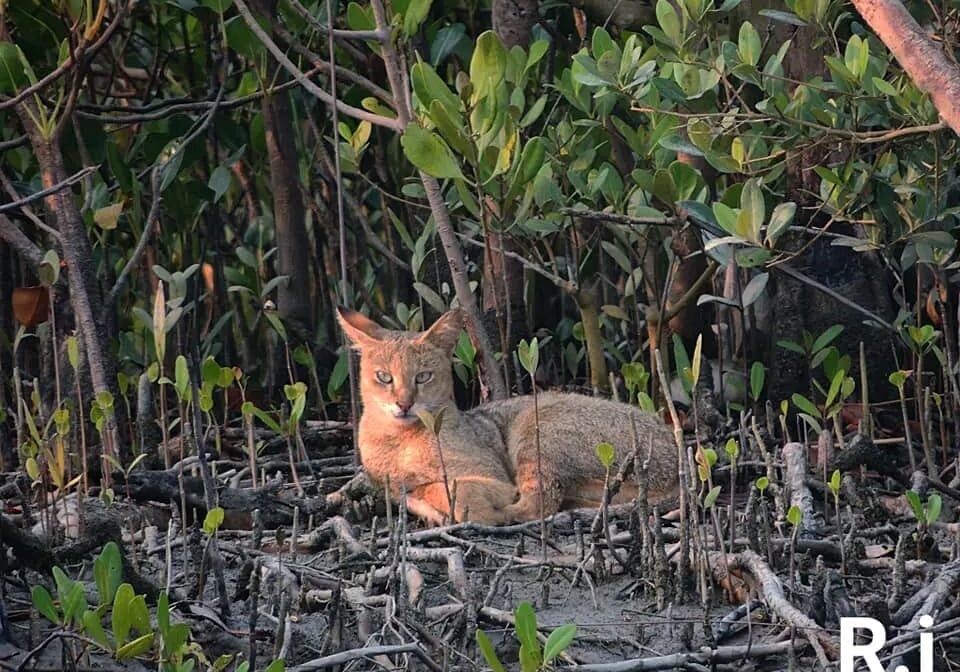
x,y
689,659
154,212
18,240
855,137
43,193
795,466
344,73
568,286
692,292
302,78
26,210
14,143
144,239
72,61
168,107
56,634
366,652
617,218
749,564
356,212
807,280
324,29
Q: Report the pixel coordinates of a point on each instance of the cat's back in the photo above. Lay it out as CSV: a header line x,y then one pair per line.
x,y
573,424
569,411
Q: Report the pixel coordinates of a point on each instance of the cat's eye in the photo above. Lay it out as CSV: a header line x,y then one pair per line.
x,y
384,377
424,377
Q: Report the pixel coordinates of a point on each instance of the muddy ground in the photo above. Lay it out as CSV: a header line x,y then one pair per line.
x,y
337,581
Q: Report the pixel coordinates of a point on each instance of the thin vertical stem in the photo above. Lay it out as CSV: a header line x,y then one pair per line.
x,y
341,225
536,423
681,470
400,90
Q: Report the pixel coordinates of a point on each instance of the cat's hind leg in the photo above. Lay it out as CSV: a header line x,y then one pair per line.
x,y
533,476
528,507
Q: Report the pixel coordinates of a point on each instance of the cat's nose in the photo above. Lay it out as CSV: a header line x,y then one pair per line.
x,y
404,406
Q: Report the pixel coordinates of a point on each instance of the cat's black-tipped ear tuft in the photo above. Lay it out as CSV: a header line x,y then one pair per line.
x,y
359,328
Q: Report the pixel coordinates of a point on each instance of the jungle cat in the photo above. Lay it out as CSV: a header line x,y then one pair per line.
x,y
489,452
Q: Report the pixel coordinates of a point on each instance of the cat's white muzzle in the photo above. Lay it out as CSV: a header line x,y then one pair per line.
x,y
407,417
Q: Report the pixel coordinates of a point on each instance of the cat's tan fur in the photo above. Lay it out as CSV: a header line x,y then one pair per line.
x,y
490,451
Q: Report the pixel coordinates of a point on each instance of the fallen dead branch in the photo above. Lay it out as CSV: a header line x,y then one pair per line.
x,y
705,657
101,527
755,572
795,466
369,652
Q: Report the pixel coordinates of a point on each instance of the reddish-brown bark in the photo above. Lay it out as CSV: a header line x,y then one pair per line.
x,y
922,58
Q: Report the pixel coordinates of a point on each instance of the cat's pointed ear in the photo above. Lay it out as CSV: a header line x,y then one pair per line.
x,y
359,328
445,332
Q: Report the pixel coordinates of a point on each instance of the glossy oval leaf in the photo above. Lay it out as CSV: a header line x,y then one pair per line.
x,y
428,86
137,647
525,620
804,404
429,153
43,602
488,64
754,288
558,641
605,453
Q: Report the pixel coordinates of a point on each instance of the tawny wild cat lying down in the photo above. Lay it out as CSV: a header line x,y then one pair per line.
x,y
489,451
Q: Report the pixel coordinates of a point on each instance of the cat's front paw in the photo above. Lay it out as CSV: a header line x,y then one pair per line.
x,y
420,508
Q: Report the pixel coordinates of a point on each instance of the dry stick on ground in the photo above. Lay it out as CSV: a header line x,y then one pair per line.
x,y
749,565
601,520
795,468
49,639
704,658
922,58
209,488
338,527
339,659
924,606
453,557
931,597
